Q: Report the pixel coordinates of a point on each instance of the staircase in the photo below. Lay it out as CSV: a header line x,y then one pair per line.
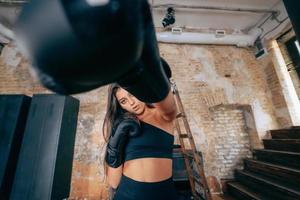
x,y
274,173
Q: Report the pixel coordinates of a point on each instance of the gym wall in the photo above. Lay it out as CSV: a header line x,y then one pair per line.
x,y
207,76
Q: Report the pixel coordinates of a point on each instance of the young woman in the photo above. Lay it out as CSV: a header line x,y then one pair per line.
x,y
145,171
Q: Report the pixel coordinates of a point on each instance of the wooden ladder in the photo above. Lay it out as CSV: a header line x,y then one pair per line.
x,y
190,156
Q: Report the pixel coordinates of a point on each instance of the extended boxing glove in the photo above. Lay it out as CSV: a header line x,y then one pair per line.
x,y
147,81
121,132
166,68
75,46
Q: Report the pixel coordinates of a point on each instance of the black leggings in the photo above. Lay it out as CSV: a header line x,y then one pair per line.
x,y
130,189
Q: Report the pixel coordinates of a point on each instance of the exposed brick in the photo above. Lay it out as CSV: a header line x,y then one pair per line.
x,y
201,74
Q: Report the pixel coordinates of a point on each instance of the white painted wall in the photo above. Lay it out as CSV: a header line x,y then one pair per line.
x,y
214,19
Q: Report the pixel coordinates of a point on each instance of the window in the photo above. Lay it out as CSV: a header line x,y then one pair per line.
x,y
293,49
297,45
1,47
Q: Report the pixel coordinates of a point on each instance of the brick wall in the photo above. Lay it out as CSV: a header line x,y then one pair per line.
x,y
232,141
209,76
206,76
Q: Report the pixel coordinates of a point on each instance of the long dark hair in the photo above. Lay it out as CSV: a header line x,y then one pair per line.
x,y
114,111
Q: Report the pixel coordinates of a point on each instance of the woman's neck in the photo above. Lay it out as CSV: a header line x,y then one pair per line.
x,y
146,114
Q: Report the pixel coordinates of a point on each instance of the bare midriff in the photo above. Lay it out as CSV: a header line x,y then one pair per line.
x,y
148,169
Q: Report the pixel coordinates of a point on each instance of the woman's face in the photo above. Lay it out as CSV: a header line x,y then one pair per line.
x,y
129,102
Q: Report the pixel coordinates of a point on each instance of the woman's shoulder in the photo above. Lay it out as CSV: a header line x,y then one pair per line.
x,y
156,119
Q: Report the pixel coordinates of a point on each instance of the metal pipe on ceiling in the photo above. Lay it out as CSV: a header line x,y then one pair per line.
x,y
265,17
13,2
240,40
214,8
6,34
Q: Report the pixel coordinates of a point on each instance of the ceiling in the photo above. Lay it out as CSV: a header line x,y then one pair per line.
x,y
230,15
8,13
216,14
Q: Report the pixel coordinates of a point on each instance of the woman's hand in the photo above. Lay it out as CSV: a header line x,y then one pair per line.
x,y
121,131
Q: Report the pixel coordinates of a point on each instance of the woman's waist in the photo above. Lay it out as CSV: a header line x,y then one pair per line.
x,y
148,169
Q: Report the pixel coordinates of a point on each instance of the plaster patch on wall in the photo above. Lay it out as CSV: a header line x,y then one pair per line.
x,y
263,120
86,150
11,57
214,81
244,92
198,133
283,117
211,77
200,54
86,124
88,153
249,121
282,112
244,87
241,69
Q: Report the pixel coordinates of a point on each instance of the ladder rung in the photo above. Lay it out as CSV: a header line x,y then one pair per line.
x,y
198,154
180,115
196,175
199,196
198,181
188,154
191,155
183,135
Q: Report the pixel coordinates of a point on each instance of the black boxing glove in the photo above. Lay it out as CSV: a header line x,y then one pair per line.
x,y
166,68
147,81
123,130
75,46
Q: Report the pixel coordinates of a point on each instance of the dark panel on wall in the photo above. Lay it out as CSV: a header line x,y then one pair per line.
x,y
13,116
45,164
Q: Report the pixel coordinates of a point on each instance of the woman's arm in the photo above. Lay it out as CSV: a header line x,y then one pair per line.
x,y
167,107
114,176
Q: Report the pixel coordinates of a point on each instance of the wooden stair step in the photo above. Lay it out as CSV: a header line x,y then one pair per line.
x,y
292,145
284,158
266,187
224,197
293,133
240,191
288,176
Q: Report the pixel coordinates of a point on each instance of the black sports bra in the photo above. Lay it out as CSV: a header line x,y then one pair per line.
x,y
153,142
